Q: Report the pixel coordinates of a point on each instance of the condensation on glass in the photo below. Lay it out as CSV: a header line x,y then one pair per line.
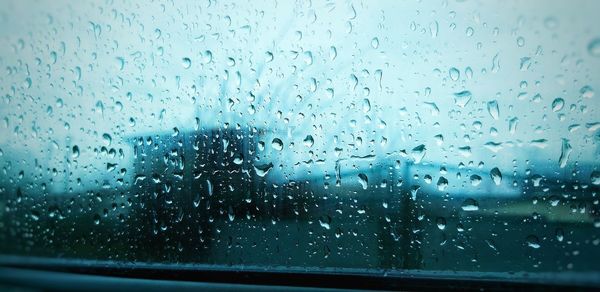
x,y
392,135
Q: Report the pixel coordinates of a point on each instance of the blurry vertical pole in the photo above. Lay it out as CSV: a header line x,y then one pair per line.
x,y
409,242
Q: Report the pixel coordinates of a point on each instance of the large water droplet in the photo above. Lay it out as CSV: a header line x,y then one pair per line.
x,y
454,74
532,241
565,152
595,177
558,104
75,151
418,153
441,223
363,180
475,180
308,141
186,63
496,175
594,47
493,110
263,169
470,205
277,144
462,98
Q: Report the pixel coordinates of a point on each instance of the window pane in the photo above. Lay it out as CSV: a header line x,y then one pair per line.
x,y
375,135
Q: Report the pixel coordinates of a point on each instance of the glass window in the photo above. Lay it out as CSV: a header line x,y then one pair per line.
x,y
458,136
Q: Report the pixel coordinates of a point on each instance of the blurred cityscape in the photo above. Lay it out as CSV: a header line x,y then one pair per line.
x,y
208,197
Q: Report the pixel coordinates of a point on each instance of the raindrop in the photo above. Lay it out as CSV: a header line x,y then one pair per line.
x,y
263,169
558,104
496,175
107,139
532,241
277,144
454,74
462,98
442,183
441,223
75,151
418,153
363,180
594,47
595,177
475,180
493,110
186,63
470,205
375,43
587,92
565,152
309,141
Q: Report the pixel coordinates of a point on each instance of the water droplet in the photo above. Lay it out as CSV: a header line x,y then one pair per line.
x,y
532,241
551,23
442,183
565,152
595,177
120,63
97,219
418,153
441,223
462,98
277,144
475,180
375,43
558,104
560,234
496,175
186,63
469,32
263,169
75,151
587,92
454,74
332,53
520,41
493,110
363,180
366,105
470,205
594,47
308,141
207,57
107,139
